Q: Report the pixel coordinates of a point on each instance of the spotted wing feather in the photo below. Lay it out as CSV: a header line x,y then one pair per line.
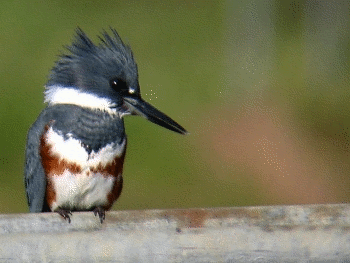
x,y
35,179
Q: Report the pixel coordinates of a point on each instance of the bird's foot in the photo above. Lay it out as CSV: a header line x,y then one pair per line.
x,y
65,214
101,213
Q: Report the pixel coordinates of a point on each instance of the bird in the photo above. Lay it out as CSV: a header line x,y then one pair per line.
x,y
76,148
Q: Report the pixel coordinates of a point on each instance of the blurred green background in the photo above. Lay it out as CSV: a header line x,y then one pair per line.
x,y
262,87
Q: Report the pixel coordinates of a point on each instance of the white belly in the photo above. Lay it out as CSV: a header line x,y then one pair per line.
x,y
82,191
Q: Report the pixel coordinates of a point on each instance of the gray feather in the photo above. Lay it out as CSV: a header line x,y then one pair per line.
x,y
35,180
94,129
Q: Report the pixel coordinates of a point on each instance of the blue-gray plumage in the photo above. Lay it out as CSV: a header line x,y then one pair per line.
x,y
94,129
75,149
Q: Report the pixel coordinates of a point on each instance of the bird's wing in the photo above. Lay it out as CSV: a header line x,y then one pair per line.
x,y
35,179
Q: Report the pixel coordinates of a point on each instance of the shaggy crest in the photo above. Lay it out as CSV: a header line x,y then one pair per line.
x,y
100,63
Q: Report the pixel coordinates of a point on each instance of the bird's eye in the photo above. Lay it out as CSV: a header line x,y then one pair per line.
x,y
120,86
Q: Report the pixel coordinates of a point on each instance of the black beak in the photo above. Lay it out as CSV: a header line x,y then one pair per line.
x,y
138,106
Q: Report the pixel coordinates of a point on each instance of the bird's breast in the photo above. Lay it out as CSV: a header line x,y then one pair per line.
x,y
76,178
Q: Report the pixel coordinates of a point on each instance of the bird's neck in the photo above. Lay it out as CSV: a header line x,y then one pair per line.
x,y
57,94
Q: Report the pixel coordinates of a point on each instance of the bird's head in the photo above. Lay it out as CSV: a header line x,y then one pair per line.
x,y
102,77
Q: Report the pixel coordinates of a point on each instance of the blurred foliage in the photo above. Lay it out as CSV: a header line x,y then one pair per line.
x,y
262,87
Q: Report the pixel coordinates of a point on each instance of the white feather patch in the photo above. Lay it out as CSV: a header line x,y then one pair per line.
x,y
81,191
66,95
72,151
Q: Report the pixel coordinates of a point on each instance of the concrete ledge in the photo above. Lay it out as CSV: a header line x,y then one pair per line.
x,y
310,233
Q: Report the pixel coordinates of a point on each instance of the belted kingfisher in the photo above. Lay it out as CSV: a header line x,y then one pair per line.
x,y
75,149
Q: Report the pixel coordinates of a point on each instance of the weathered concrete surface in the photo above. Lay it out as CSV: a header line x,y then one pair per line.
x,y
313,233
